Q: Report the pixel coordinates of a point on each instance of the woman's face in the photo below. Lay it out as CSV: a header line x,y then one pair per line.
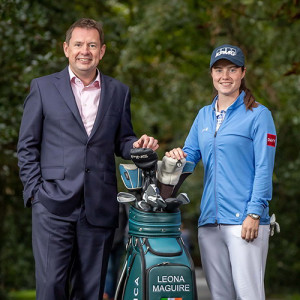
x,y
227,78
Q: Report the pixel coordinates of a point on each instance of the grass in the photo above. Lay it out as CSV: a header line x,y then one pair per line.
x,y
284,297
22,295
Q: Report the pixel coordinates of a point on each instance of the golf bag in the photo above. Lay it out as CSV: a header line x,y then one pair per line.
x,y
157,265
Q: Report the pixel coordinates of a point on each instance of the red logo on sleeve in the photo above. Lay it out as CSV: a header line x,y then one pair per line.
x,y
271,140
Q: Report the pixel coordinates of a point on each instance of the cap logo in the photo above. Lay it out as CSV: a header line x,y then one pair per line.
x,y
226,51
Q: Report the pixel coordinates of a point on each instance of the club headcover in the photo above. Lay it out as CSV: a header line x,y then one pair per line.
x,y
168,190
131,176
169,170
144,158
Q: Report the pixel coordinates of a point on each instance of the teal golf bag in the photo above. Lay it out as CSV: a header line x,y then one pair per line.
x,y
158,266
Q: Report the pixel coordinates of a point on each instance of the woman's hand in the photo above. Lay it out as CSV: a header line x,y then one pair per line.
x,y
250,229
176,153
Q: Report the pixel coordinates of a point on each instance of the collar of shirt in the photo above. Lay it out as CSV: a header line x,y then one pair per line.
x,y
75,80
223,111
220,115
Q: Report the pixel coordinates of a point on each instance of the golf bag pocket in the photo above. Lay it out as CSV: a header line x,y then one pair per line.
x,y
158,269
131,176
170,281
157,265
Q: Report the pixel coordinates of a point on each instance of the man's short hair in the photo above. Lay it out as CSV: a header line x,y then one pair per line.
x,y
88,24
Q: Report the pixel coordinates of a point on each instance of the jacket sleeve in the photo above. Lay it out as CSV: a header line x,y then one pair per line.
x,y
264,140
191,145
125,137
29,143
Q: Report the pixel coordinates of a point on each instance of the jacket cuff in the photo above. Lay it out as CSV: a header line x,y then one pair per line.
x,y
255,209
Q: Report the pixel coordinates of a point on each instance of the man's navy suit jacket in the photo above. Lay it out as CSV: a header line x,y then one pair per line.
x,y
59,163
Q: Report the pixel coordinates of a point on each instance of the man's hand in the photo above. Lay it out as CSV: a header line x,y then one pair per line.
x,y
250,229
176,153
146,141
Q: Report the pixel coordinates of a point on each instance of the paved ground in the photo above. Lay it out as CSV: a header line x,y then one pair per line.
x,y
202,289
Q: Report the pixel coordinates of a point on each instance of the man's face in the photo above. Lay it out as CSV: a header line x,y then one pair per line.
x,y
84,51
227,77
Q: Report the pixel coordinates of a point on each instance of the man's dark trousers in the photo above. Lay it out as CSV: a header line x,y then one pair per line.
x,y
57,272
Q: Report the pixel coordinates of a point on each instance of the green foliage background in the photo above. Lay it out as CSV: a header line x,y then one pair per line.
x,y
161,49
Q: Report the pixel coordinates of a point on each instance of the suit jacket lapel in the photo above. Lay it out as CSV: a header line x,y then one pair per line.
x,y
104,103
64,87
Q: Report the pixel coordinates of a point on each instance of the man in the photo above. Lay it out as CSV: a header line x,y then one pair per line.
x,y
74,122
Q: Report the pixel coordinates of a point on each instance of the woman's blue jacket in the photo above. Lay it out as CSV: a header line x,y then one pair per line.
x,y
238,162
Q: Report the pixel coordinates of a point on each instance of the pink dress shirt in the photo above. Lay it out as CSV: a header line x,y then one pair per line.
x,y
87,99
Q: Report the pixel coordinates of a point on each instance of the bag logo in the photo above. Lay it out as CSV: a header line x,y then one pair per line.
x,y
139,156
171,283
271,140
136,289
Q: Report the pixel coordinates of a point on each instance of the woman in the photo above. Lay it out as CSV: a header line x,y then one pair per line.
x,y
235,137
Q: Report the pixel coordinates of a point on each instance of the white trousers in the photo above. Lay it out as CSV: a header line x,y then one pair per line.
x,y
234,269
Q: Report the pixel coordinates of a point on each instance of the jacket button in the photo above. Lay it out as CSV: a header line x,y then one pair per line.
x,y
87,170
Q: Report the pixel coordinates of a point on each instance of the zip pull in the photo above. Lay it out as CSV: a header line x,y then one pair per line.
x,y
215,133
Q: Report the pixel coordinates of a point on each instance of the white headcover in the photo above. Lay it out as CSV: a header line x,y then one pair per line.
x,y
169,170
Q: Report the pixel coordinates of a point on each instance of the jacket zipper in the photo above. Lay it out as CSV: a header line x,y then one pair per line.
x,y
215,181
215,156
